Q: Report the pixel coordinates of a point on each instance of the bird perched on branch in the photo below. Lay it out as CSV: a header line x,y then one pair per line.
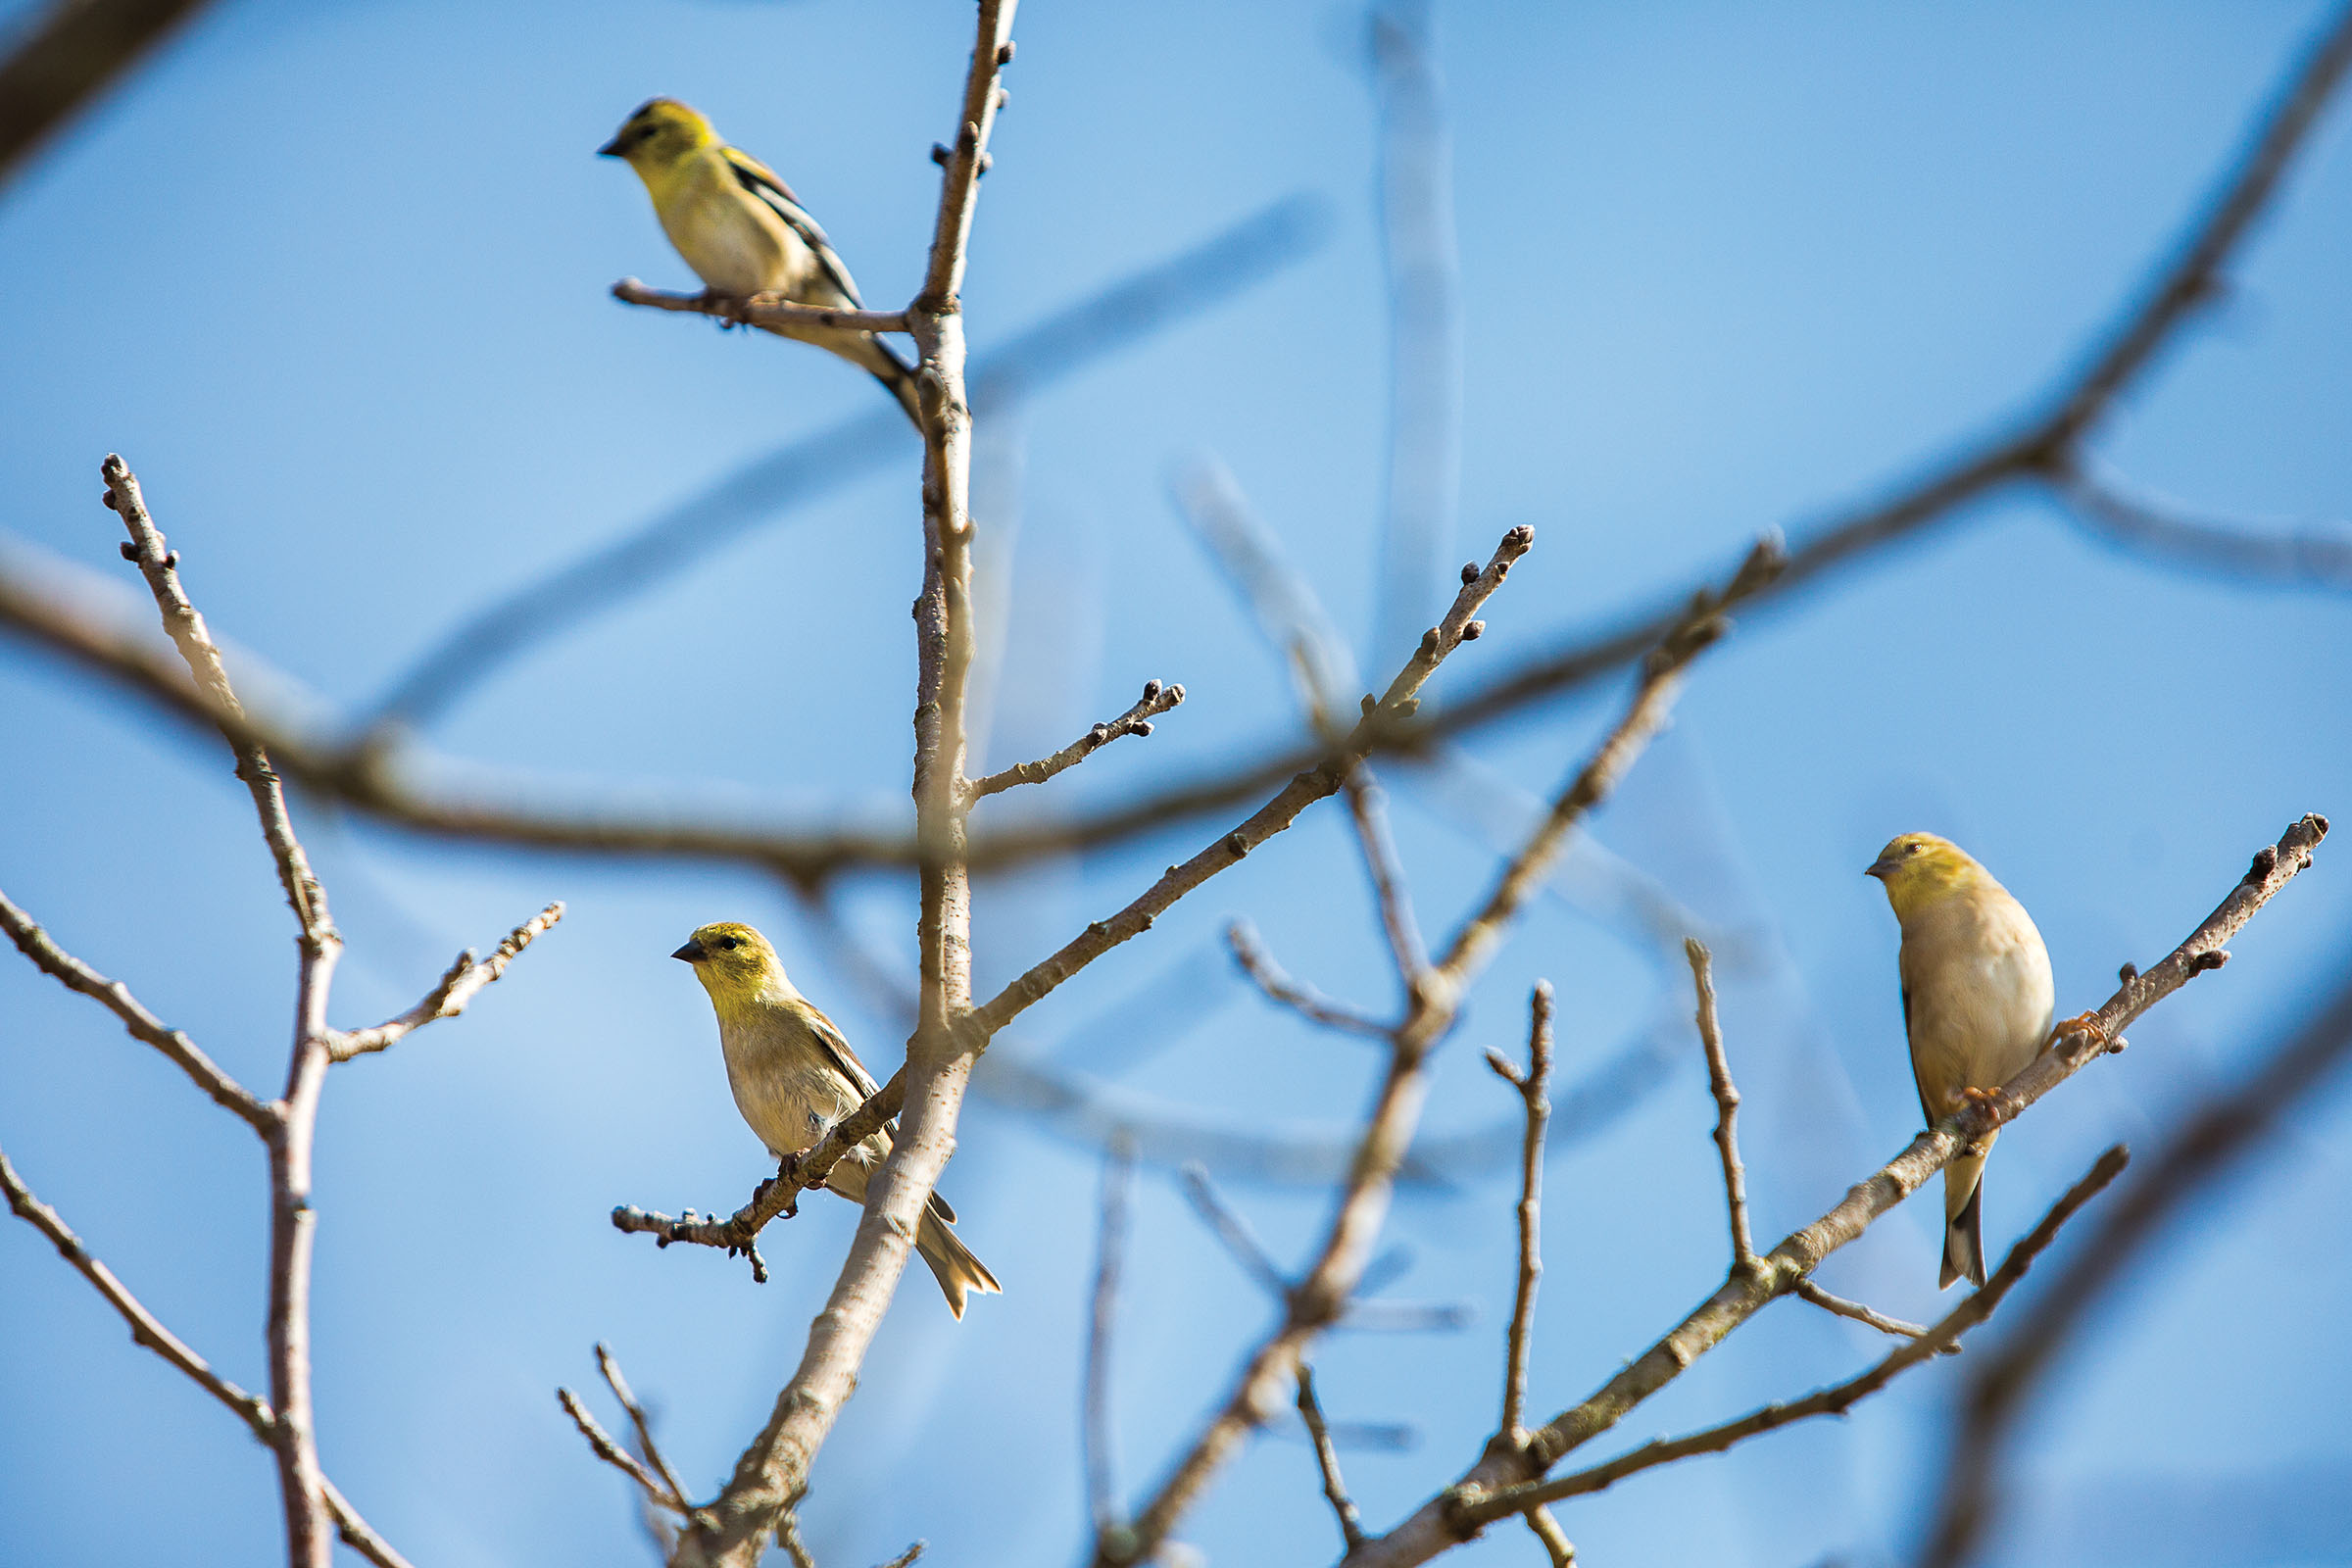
x,y
744,233
1976,1005
794,1077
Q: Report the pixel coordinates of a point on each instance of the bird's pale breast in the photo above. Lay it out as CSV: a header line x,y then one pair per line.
x,y
735,243
1979,997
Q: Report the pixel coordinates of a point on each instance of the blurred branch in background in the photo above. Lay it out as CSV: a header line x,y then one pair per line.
x,y
2034,450
2200,1152
68,56
2157,527
1419,254
804,470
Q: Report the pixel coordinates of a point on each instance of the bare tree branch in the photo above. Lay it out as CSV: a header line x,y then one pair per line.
x,y
293,1125
1327,1459
1974,1309
2160,528
759,310
142,1025
1545,1529
1454,1515
1531,1086
146,1328
1137,721
618,1457
2031,448
149,1332
1727,1104
2217,1139
1283,604
160,565
450,994
70,57
1366,809
1234,1231
1249,951
1842,1308
644,1424
1095,1426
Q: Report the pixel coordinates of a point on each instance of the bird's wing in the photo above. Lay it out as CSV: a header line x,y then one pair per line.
x,y
760,181
838,1052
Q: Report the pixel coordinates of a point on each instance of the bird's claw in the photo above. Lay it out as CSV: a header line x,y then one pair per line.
x,y
2086,1024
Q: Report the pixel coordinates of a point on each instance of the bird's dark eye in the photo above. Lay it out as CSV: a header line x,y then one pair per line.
x,y
729,943
1913,850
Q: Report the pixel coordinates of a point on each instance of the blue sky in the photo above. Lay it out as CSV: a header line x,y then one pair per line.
x,y
334,281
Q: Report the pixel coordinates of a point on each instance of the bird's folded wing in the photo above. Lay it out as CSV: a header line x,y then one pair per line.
x,y
764,185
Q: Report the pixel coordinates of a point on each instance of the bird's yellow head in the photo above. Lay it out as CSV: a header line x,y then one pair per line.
x,y
1920,868
656,136
735,964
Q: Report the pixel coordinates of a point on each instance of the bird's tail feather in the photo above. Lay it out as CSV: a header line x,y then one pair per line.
x,y
1964,1227
959,1272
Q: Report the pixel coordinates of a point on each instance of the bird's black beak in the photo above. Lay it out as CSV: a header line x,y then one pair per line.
x,y
692,953
611,149
1881,866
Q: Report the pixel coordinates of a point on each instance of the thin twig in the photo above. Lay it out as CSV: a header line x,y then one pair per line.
x,y
456,988
1234,1231
760,310
2164,529
1327,1459
644,1424
788,1536
1137,721
142,1025
1947,1330
1366,809
1282,603
146,1328
618,1457
1249,951
160,565
1556,1545
357,1533
1829,1302
1096,1430
905,1559
1727,1103
1531,1085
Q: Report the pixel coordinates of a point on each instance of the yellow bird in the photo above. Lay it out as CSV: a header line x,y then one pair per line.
x,y
794,1077
1976,1005
744,233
